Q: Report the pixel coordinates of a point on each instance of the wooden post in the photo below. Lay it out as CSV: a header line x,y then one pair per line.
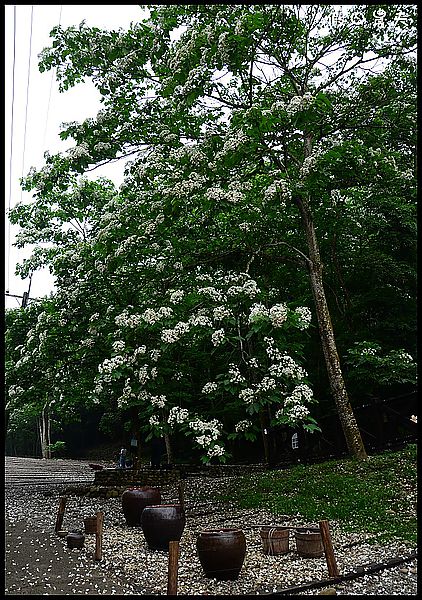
x,y
99,536
172,568
60,514
180,490
328,549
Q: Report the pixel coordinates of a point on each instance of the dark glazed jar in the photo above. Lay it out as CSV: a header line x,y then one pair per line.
x,y
75,539
221,552
162,524
135,499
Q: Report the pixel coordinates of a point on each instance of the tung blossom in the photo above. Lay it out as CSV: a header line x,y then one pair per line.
x,y
217,337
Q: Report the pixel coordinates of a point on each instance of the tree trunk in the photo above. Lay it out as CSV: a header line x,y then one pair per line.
x,y
41,430
169,448
263,418
332,361
48,428
136,450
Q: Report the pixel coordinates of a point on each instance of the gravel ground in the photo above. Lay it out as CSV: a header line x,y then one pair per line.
x,y
39,562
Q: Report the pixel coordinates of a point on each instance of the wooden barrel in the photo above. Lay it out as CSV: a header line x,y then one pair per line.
x,y
275,540
309,542
90,524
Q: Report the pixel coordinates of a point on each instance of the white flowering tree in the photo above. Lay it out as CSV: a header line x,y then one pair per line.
x,y
214,358
248,145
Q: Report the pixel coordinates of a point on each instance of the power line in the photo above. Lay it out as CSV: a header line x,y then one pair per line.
x,y
49,95
27,93
11,143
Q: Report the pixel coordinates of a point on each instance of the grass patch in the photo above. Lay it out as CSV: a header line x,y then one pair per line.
x,y
376,496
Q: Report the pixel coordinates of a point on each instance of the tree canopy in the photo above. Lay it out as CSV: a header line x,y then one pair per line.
x,y
269,183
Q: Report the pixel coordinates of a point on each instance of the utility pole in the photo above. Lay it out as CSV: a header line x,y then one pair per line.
x,y
25,297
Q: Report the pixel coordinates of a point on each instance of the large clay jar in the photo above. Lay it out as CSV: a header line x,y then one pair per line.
x,y
135,499
162,524
221,552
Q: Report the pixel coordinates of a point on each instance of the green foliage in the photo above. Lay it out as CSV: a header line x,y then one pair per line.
x,y
369,365
58,449
224,159
376,496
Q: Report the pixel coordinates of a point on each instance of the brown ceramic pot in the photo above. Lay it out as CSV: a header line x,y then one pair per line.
x,y
162,524
135,499
221,552
75,539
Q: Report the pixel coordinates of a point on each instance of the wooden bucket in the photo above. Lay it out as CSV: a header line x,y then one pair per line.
x,y
90,524
275,540
309,542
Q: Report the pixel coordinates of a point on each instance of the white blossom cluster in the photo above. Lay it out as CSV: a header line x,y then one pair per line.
x,y
203,440
155,354
195,183
294,405
176,296
154,262
287,367
280,186
258,311
159,401
221,312
126,320
201,320
299,103
110,364
243,425
209,387
140,351
301,394
267,383
215,450
80,151
177,415
233,141
305,316
294,413
214,427
102,147
369,351
15,391
249,288
170,336
143,375
213,293
119,346
154,420
235,375
278,314
217,337
126,395
405,357
247,395
151,316
253,362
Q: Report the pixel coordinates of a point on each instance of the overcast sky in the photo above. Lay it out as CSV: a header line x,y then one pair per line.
x,y
38,109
